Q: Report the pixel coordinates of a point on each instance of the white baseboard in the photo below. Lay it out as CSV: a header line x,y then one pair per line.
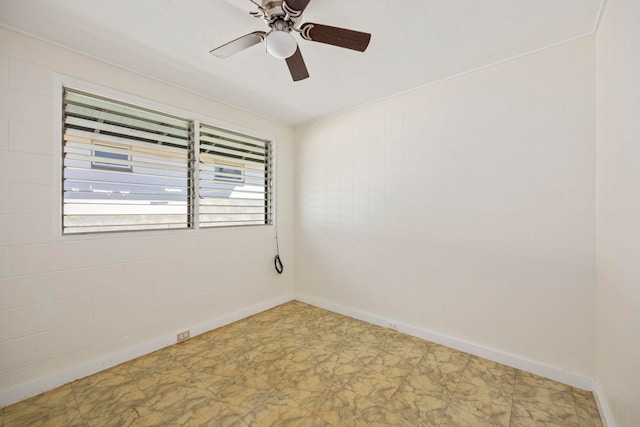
x,y
32,388
556,374
603,406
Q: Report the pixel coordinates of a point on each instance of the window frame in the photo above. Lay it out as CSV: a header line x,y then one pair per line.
x,y
62,81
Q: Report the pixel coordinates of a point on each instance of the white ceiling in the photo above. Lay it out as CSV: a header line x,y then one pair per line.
x,y
414,43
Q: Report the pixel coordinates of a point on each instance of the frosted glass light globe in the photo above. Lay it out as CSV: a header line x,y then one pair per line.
x,y
281,44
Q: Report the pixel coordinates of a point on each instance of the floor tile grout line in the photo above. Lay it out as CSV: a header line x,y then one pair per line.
x,y
444,414
75,398
513,393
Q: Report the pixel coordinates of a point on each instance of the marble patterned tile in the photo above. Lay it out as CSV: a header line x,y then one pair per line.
x,y
436,378
485,374
338,373
374,385
237,338
325,346
533,391
245,393
310,354
308,387
392,365
110,376
148,420
543,400
279,410
441,354
372,336
354,355
55,408
346,408
323,331
159,382
260,353
536,414
186,349
403,344
335,332
280,346
590,421
309,399
276,371
588,414
536,381
456,417
220,364
113,404
356,345
212,382
157,361
417,408
179,398
491,412
486,390
192,411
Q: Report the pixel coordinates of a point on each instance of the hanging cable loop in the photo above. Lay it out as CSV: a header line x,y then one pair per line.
x,y
278,264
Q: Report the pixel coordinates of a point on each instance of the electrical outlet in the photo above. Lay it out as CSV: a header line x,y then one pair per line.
x,y
394,326
184,335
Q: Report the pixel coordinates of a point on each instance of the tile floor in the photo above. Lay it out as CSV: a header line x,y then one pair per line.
x,y
298,365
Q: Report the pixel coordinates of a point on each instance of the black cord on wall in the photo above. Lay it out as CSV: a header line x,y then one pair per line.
x,y
277,262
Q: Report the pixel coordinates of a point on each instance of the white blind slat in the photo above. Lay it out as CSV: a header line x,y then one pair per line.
x,y
116,173
124,131
84,112
211,142
159,155
208,130
132,163
96,102
91,138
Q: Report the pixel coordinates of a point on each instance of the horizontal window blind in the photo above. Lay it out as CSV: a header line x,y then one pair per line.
x,y
235,178
124,167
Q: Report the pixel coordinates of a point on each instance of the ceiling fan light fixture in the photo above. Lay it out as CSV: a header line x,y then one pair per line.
x,y
281,44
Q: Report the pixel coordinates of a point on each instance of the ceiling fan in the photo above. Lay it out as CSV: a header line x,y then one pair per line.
x,y
282,17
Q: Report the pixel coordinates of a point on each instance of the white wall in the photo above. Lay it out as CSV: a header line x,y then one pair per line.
x,y
618,225
73,305
465,209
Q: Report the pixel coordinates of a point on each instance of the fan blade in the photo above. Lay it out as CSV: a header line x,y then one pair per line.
x,y
297,67
297,5
239,44
335,36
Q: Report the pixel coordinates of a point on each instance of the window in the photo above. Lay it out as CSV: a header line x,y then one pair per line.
x,y
128,168
235,178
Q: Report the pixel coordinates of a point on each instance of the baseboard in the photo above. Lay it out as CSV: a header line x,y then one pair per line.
x,y
603,406
32,388
556,374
